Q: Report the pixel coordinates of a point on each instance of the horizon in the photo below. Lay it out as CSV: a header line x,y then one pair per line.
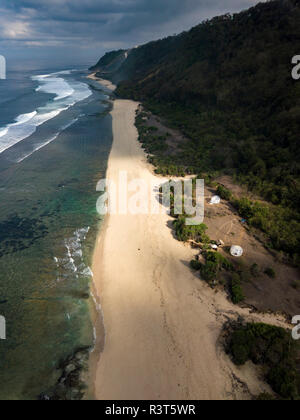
x,y
35,35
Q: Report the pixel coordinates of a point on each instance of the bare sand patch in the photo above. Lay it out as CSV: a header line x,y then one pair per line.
x,y
106,83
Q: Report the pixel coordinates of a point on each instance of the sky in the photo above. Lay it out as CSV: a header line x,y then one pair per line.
x,y
43,33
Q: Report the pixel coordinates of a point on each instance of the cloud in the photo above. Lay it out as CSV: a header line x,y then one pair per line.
x,y
16,30
92,25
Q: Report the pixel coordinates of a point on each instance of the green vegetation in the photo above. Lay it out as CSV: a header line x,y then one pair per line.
x,y
157,149
224,193
273,348
152,143
218,259
196,265
236,289
110,62
214,264
209,272
281,225
265,397
184,232
227,86
270,272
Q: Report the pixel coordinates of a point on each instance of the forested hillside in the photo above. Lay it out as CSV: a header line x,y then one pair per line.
x,y
227,85
111,62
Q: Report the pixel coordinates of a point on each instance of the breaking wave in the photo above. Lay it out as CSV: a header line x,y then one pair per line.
x,y
72,263
66,94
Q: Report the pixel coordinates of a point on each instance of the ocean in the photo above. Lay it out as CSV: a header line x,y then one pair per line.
x,y
55,138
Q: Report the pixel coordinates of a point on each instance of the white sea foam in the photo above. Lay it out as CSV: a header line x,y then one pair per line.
x,y
87,272
95,335
101,315
3,131
66,72
66,94
21,119
54,85
72,265
78,253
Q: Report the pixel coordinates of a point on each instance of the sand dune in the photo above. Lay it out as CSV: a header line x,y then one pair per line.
x,y
162,322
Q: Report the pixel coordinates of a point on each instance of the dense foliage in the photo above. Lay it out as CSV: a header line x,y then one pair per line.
x,y
237,294
280,224
110,62
214,264
210,270
227,85
185,232
273,348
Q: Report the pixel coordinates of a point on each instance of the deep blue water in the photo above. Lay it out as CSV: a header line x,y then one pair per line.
x,y
55,137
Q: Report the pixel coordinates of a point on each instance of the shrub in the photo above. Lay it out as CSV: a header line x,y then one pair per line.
x,y
240,347
214,263
236,289
185,232
265,397
153,129
224,193
270,272
281,225
218,258
195,265
273,348
283,379
209,271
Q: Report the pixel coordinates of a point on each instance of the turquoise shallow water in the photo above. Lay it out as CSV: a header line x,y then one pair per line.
x,y
48,225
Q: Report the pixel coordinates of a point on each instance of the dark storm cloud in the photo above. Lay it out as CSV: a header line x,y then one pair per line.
x,y
102,24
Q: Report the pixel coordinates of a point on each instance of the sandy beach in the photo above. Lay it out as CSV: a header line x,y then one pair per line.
x,y
105,83
162,322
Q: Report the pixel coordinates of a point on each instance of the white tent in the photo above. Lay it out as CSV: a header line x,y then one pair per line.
x,y
215,200
236,251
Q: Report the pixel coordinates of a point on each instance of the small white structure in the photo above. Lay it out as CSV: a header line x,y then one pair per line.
x,y
236,251
215,200
214,247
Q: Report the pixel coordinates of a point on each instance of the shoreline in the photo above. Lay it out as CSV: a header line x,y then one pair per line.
x,y
106,83
162,323
96,311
